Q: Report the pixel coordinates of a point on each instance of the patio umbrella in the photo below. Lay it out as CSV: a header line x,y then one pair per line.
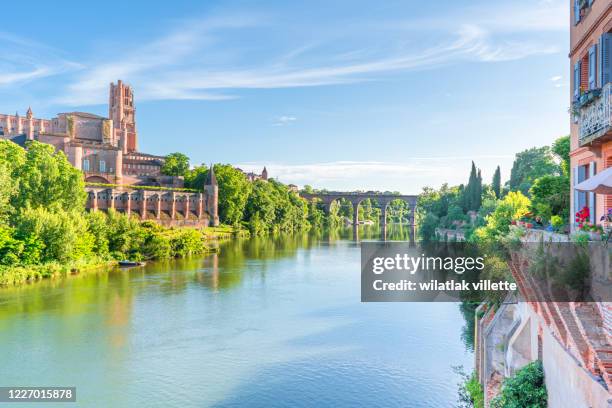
x,y
601,183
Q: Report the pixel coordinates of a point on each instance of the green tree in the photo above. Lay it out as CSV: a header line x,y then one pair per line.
x,y
530,165
472,195
47,179
427,227
552,192
176,164
234,190
561,148
8,191
63,233
496,183
308,189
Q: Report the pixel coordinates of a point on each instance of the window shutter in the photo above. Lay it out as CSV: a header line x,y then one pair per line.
x,y
608,201
576,80
592,66
576,11
592,207
599,63
584,72
606,58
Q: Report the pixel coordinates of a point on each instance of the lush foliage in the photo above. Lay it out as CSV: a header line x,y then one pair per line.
x,y
529,165
525,389
496,183
551,196
561,148
261,206
537,193
176,164
471,394
514,206
44,228
472,195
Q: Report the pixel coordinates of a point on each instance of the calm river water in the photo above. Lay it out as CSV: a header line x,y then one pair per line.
x,y
265,323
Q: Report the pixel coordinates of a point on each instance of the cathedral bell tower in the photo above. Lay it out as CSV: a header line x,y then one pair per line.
x,y
122,112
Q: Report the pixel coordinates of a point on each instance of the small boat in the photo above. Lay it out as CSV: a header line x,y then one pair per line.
x,y
126,263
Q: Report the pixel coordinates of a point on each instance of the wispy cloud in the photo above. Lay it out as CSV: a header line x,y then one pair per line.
x,y
284,120
182,64
23,60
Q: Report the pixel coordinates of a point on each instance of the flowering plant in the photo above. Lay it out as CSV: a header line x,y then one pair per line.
x,y
607,217
582,216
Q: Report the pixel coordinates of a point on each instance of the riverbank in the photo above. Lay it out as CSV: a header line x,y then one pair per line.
x,y
23,274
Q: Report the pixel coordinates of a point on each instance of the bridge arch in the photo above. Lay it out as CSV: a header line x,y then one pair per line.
x,y
383,200
97,179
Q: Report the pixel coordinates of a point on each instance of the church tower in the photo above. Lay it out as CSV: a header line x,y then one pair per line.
x,y
211,189
123,114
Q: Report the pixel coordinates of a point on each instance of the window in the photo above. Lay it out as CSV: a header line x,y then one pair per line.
x,y
85,164
583,199
580,9
102,166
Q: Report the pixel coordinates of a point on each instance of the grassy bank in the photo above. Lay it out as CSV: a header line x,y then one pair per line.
x,y
12,275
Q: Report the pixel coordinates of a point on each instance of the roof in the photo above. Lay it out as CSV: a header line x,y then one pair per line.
x,y
211,180
84,115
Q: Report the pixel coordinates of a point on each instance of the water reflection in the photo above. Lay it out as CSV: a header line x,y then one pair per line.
x,y
264,321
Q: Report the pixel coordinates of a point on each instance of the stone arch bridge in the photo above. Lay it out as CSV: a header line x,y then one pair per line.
x,y
356,198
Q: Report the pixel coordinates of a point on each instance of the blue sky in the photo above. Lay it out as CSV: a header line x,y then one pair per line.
x,y
389,95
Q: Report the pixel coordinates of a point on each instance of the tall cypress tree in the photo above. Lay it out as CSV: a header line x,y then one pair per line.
x,y
478,195
496,184
471,190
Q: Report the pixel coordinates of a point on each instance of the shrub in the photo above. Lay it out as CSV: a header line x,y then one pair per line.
x,y
525,390
557,222
514,206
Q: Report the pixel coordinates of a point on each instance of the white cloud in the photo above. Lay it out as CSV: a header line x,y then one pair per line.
x,y
284,120
23,60
181,65
407,177
556,78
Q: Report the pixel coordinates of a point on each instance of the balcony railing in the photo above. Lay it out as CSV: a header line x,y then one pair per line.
x,y
595,115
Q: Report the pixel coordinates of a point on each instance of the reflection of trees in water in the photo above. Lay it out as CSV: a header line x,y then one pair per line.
x,y
468,310
114,289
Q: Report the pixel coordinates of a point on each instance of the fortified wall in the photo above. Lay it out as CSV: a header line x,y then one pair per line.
x,y
167,207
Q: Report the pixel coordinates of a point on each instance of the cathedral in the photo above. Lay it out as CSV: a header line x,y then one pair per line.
x,y
104,148
118,175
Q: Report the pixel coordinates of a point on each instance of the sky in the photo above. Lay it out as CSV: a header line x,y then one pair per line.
x,y
343,95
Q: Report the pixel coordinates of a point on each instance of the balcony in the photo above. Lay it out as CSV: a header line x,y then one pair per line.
x,y
594,116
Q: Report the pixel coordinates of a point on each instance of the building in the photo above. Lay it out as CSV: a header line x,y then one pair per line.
x,y
572,339
254,176
104,148
169,207
591,100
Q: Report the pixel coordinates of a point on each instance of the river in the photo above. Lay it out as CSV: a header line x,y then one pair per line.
x,y
266,322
